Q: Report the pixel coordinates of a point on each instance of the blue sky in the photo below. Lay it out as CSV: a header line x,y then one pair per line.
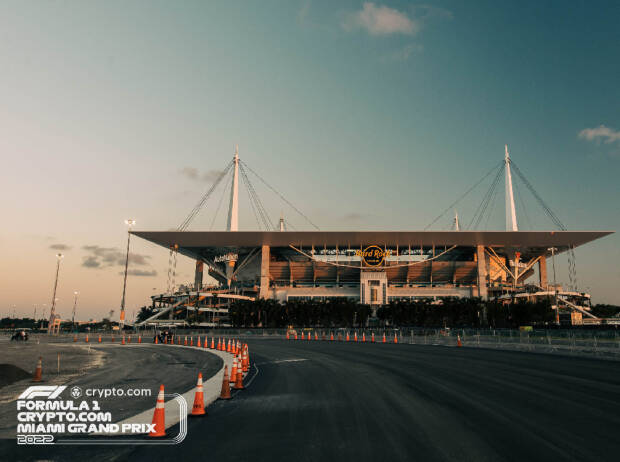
x,y
365,115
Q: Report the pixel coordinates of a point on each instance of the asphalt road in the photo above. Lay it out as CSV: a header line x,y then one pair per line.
x,y
323,401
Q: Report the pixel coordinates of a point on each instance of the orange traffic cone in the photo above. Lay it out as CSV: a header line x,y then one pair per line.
x,y
99,339
212,343
86,339
303,336
159,416
458,341
239,378
295,335
225,393
331,336
37,371
218,344
199,405
316,336
355,337
112,339
185,341
139,339
123,341
75,338
233,370
384,339
191,341
348,338
288,337
129,339
364,337
244,360
372,338
156,339
178,339
395,338
165,340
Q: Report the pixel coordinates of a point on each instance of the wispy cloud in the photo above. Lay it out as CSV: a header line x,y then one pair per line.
x,y
381,20
137,272
194,174
600,134
60,247
99,257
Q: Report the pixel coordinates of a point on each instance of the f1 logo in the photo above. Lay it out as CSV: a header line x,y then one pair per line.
x,y
42,391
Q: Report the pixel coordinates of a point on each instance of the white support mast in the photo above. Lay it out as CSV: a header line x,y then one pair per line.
x,y
511,214
233,210
457,225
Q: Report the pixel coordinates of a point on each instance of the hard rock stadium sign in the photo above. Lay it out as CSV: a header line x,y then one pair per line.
x,y
373,255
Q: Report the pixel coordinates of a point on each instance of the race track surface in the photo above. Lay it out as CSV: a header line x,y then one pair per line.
x,y
323,401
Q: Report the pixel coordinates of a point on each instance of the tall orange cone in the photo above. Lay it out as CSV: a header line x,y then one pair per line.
x,y
348,338
37,371
458,341
206,344
244,360
75,338
191,341
86,339
129,339
165,340
233,370
295,335
309,336
198,344
355,336
239,377
112,339
199,405
316,336
159,416
99,339
364,337
395,338
218,344
288,337
139,338
212,343
384,339
302,336
185,341
123,341
225,393
372,338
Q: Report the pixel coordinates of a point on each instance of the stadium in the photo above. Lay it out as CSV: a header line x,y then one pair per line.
x,y
370,267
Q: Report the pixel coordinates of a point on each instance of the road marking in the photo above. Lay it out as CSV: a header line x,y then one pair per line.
x,y
279,361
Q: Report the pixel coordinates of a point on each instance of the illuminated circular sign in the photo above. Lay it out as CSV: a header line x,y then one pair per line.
x,y
373,255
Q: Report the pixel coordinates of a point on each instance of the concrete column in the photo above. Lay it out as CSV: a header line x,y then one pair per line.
x,y
542,272
264,271
482,272
198,275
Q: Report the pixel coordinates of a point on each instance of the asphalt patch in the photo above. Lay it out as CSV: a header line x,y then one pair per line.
x,y
10,374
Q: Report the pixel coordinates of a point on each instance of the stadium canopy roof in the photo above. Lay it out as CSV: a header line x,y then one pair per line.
x,y
194,243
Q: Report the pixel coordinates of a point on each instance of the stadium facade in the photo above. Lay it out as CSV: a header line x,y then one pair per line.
x,y
372,267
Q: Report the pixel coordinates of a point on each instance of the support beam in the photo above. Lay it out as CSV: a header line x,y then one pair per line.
x,y
198,275
482,272
264,271
542,273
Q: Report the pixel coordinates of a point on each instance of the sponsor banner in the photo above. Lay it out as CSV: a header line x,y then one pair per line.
x,y
61,414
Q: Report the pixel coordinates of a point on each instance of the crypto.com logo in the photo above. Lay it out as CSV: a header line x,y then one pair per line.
x,y
42,391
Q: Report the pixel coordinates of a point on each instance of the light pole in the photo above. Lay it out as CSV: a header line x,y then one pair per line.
x,y
59,257
129,224
75,295
555,288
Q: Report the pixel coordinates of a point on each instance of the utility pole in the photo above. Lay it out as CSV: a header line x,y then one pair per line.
x,y
121,324
59,257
